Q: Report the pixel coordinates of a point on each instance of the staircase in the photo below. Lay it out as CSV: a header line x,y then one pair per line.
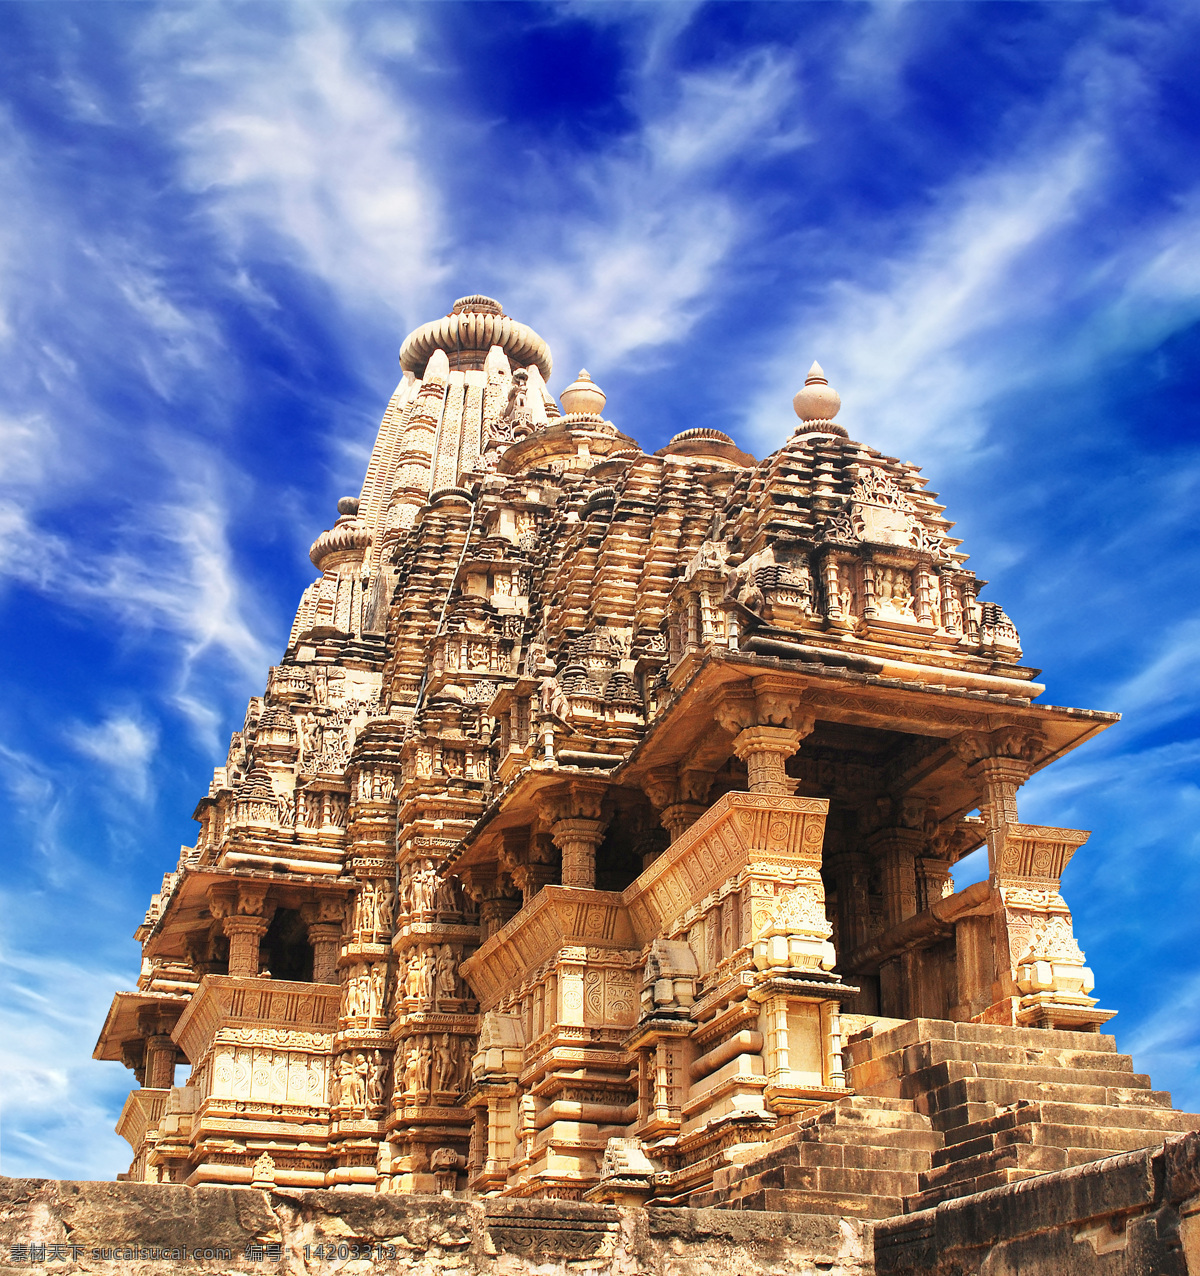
x,y
1009,1103
860,1157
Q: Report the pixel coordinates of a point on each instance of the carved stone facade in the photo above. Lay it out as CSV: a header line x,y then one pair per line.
x,y
600,798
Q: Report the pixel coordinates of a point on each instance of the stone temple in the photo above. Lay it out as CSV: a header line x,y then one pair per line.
x,y
592,840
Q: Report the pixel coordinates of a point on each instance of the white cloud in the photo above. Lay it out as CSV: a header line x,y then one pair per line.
x,y
1166,1042
904,350
124,745
650,255
59,1104
295,139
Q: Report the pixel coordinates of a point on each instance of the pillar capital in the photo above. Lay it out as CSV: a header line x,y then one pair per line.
x,y
245,933
765,750
574,813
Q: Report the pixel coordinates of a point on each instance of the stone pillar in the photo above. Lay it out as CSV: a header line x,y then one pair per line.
x,y
326,939
852,875
244,915
531,860
496,896
577,822
999,762
897,849
160,1062
765,750
324,920
677,797
934,881
579,840
245,935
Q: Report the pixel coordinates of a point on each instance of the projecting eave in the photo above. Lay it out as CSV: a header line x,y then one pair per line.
x,y
844,699
188,912
121,1024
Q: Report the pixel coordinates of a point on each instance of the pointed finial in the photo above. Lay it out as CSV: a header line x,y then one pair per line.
x,y
817,401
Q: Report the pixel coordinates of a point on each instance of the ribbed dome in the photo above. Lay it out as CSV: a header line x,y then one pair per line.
x,y
468,332
345,536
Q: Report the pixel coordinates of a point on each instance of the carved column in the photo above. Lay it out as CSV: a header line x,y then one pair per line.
x,y
324,920
852,874
160,1062
897,849
498,900
579,840
765,751
244,915
531,860
577,823
1000,762
245,936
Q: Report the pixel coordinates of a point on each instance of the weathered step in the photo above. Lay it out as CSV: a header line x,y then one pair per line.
x,y
943,1104
1100,1140
925,1054
862,1047
948,1070
934,1196
1129,1116
787,1201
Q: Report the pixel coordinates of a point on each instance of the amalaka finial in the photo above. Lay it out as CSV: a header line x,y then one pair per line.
x,y
817,401
583,395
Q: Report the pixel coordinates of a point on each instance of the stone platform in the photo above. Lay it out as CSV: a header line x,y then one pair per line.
x,y
1135,1214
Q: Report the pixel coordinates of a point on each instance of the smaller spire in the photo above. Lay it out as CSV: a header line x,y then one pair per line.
x,y
817,401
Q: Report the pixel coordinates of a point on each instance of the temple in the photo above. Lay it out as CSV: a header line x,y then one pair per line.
x,y
593,838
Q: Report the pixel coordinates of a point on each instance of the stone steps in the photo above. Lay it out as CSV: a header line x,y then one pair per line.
x,y
859,1156
1012,1103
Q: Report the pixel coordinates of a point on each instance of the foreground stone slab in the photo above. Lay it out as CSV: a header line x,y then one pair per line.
x,y
1136,1214
137,1228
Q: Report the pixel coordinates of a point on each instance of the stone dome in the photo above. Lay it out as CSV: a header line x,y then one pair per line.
x,y
346,539
583,395
468,332
817,401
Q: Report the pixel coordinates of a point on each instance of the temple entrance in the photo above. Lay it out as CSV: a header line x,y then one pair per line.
x,y
285,949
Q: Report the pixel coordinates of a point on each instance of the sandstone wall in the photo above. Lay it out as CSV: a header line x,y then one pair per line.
x,y
213,1226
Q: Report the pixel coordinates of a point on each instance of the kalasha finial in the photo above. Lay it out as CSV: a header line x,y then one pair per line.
x,y
583,395
817,401
348,505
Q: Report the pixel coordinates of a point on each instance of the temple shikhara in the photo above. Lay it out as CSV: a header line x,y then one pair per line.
x,y
592,839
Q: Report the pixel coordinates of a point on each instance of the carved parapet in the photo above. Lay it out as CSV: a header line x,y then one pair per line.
x,y
1035,853
223,1003
745,839
669,978
556,920
1037,950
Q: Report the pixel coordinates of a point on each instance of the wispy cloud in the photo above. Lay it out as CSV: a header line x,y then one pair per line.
x,y
123,745
59,1105
653,251
300,148
970,270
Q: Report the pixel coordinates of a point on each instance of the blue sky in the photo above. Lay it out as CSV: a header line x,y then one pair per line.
x,y
220,221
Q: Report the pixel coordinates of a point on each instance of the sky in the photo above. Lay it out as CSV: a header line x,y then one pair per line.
x,y
220,221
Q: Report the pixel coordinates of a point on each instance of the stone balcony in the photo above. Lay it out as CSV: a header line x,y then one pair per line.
x,y
260,1051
